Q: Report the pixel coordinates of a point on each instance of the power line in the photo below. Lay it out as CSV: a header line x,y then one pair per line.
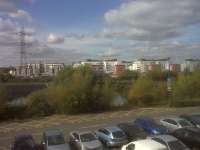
x,y
23,55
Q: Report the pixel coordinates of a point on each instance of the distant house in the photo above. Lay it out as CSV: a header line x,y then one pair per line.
x,y
191,65
145,65
175,67
37,69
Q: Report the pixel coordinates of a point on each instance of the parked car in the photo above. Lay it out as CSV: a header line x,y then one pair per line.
x,y
170,142
132,131
146,144
150,126
189,136
84,140
24,142
54,140
175,123
112,136
193,118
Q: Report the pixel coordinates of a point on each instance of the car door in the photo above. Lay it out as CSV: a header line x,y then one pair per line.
x,y
44,142
75,141
104,135
182,135
190,138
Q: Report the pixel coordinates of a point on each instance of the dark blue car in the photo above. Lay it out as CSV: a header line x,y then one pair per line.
x,y
150,126
24,142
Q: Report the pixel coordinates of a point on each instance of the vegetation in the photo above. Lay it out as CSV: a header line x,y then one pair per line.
x,y
3,98
80,90
73,91
144,91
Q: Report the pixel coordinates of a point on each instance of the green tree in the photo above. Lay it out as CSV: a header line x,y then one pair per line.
x,y
187,86
74,90
145,91
3,98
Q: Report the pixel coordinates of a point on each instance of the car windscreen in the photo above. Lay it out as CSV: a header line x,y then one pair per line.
x,y
27,143
152,123
87,137
184,123
56,140
118,134
176,145
196,118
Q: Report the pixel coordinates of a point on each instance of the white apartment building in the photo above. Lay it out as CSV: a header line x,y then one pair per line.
x,y
190,65
38,69
144,65
109,65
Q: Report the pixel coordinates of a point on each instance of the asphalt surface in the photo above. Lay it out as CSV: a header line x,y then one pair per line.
x,y
81,122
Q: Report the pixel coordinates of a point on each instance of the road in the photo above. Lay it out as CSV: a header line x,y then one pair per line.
x,y
81,122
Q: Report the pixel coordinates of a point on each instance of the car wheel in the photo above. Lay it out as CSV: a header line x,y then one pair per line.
x,y
107,144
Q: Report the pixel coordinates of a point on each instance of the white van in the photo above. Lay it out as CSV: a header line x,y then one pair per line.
x,y
146,144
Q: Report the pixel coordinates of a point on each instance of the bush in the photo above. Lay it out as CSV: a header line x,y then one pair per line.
x,y
187,86
146,92
186,103
73,91
39,104
3,98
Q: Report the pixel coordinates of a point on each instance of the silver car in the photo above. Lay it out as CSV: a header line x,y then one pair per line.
x,y
84,140
170,142
112,136
54,140
175,123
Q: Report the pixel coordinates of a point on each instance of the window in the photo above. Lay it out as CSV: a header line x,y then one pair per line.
x,y
87,137
118,134
76,136
184,123
130,147
176,145
159,141
170,121
56,140
104,131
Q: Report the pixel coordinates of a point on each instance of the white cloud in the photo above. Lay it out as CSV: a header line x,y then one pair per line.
x,y
55,39
152,20
21,14
7,6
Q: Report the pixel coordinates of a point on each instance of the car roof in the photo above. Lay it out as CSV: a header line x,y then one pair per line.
x,y
174,118
51,132
112,128
166,138
23,136
193,129
149,144
82,132
145,119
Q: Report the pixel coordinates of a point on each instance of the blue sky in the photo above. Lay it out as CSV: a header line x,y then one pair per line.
x,y
70,30
70,14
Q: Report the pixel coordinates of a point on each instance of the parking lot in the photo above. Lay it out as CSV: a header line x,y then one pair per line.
x,y
81,122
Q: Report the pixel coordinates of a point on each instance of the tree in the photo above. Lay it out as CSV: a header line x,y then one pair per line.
x,y
74,90
187,86
3,98
145,91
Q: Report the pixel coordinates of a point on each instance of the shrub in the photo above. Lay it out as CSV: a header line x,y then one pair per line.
x,y
146,92
3,98
187,86
39,105
73,91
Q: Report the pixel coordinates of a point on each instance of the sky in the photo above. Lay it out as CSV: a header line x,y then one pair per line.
x,y
72,30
